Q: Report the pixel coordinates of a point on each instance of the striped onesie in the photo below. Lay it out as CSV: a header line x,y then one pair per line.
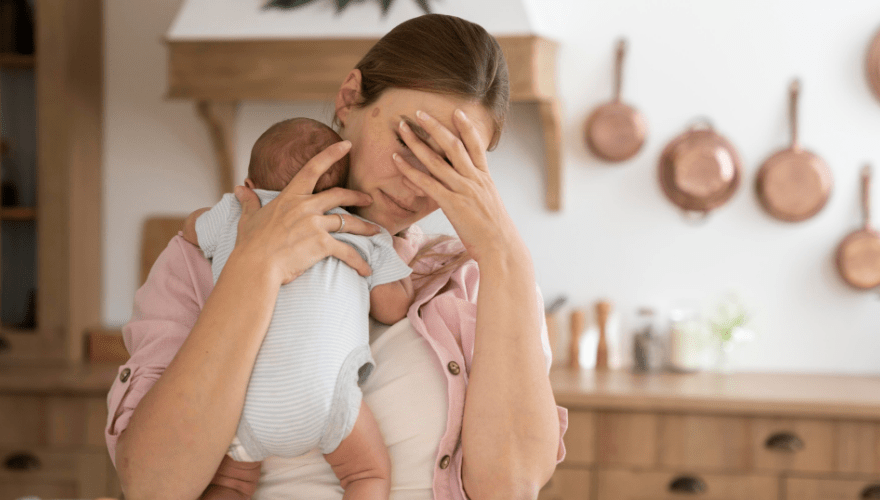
x,y
304,389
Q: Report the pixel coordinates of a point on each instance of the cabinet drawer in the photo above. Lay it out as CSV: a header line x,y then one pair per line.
x,y
86,474
580,438
627,438
704,442
567,484
831,489
63,421
615,484
858,447
793,445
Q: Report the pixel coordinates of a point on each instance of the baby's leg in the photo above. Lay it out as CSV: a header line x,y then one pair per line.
x,y
361,461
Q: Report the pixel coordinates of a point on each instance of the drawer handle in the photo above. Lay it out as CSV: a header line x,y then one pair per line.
x,y
687,484
785,441
872,491
22,462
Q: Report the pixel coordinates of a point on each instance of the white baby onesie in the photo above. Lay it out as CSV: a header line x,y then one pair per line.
x,y
303,392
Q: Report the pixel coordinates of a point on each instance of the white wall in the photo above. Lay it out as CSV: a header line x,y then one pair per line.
x,y
617,237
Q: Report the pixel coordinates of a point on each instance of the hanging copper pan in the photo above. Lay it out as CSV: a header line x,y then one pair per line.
x,y
872,65
793,184
699,170
615,131
858,255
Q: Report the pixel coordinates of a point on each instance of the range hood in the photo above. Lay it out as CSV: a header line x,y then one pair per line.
x,y
222,52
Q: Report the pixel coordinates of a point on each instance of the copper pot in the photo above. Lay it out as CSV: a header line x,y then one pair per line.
x,y
699,170
793,184
858,255
872,65
615,131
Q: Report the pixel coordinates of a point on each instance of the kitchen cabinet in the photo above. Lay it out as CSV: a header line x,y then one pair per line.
x,y
713,436
63,223
52,420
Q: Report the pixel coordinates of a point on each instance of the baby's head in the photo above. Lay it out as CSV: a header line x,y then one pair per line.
x,y
285,147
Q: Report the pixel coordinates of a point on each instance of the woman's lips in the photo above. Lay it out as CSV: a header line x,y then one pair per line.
x,y
404,210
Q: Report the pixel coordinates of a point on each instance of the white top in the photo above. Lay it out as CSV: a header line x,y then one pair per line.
x,y
407,394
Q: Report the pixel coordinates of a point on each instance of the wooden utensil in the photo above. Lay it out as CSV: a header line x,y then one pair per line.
x,y
615,131
699,170
578,322
551,314
603,310
858,255
793,184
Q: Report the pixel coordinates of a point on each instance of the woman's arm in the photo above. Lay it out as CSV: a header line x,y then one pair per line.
x,y
510,431
180,431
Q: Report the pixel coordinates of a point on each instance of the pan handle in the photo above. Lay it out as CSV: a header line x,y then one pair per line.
x,y
866,195
793,92
618,68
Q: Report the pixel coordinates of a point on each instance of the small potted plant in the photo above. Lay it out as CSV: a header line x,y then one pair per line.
x,y
729,326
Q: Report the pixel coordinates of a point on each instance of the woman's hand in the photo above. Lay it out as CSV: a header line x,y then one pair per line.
x,y
291,233
465,190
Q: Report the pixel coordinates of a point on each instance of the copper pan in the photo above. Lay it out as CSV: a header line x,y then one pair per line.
x,y
858,255
872,65
699,170
615,131
793,184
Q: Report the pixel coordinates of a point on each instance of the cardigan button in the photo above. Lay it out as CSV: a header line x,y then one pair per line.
x,y
453,368
444,462
124,375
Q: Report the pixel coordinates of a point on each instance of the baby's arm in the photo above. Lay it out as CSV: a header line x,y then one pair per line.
x,y
189,226
390,302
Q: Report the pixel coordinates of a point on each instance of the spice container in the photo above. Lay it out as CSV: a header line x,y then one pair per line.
x,y
687,340
647,349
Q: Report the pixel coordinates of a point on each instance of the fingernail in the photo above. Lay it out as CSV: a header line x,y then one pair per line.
x,y
404,126
346,144
420,115
395,156
237,191
460,114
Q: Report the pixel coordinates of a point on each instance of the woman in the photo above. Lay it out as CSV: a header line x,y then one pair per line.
x,y
418,114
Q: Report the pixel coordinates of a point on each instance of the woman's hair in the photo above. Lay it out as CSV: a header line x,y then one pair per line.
x,y
440,54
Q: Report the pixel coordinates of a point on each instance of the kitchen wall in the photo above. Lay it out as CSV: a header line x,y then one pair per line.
x,y
617,236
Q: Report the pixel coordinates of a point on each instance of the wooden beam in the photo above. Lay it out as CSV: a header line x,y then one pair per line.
x,y
219,118
550,119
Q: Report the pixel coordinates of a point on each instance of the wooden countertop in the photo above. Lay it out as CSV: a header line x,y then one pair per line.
x,y
783,394
56,378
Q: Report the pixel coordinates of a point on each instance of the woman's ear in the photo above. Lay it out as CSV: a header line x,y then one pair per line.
x,y
348,95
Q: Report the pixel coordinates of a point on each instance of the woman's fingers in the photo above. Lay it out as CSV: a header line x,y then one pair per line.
x,y
454,147
438,167
346,253
470,136
352,225
423,181
305,180
340,197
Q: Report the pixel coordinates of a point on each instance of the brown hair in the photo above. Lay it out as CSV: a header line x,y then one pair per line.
x,y
284,148
440,54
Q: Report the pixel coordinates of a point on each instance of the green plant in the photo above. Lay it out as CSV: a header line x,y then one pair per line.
x,y
340,4
730,316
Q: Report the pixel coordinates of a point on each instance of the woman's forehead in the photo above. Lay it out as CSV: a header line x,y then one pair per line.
x,y
398,103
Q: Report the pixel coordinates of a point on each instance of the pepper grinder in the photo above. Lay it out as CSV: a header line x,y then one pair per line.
x,y
578,321
603,310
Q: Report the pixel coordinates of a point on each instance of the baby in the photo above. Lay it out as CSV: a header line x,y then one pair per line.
x,y
304,389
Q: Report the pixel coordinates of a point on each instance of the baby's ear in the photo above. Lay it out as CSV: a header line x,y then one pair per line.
x,y
249,183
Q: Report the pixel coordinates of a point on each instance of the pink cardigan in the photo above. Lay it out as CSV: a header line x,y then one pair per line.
x,y
167,306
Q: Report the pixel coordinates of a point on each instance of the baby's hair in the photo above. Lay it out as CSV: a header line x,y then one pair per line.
x,y
285,148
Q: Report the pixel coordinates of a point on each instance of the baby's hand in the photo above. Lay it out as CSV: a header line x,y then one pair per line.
x,y
189,226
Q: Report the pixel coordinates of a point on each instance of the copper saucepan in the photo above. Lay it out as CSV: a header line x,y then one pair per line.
x,y
699,170
615,131
872,65
858,255
793,184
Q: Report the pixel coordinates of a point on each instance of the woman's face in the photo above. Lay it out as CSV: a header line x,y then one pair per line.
x,y
375,134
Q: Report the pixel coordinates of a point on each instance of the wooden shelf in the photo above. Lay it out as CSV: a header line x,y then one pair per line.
x,y
18,213
218,74
10,60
